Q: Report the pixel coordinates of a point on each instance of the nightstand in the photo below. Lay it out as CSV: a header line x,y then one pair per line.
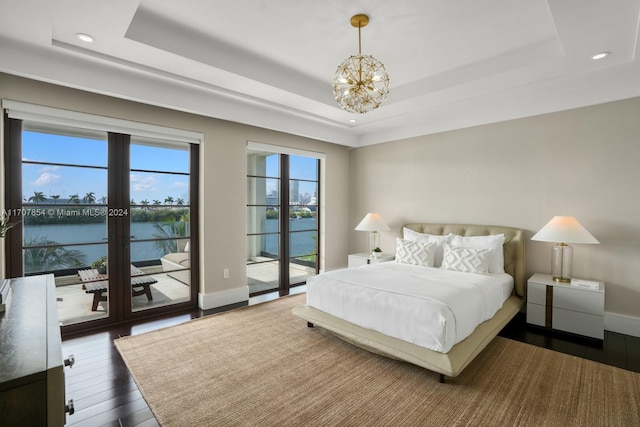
x,y
563,307
356,260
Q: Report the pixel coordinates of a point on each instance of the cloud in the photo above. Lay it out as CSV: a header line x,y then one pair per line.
x,y
144,183
179,185
47,178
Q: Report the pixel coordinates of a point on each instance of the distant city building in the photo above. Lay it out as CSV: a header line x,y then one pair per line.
x,y
294,195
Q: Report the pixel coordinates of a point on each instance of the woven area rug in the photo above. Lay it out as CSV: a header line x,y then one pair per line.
x,y
261,365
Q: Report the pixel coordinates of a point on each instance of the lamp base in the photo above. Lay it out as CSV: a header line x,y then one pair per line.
x,y
374,239
561,263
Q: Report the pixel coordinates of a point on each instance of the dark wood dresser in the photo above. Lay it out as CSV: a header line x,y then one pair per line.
x,y
31,365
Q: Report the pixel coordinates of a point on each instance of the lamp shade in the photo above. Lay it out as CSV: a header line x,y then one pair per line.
x,y
565,229
372,222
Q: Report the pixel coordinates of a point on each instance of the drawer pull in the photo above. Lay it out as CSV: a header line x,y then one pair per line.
x,y
69,408
70,361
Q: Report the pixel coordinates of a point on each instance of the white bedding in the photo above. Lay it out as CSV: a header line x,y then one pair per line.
x,y
430,307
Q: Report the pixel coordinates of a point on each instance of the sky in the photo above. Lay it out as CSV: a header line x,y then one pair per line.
x,y
65,181
299,168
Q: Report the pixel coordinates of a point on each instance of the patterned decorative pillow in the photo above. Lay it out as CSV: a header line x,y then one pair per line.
x,y
467,260
494,241
415,253
415,236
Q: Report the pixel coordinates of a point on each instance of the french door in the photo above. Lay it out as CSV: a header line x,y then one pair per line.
x,y
109,214
282,220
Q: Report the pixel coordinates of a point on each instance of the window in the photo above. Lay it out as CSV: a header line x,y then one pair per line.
x,y
102,211
282,218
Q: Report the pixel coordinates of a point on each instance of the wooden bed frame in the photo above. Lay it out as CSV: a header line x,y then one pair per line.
x,y
453,362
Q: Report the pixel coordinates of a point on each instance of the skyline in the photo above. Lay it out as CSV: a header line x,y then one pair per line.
x,y
304,168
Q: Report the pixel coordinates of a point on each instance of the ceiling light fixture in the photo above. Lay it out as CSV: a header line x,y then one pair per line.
x,y
601,55
361,82
85,37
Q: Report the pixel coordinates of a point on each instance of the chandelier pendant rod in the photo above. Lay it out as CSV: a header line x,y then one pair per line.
x,y
359,39
359,53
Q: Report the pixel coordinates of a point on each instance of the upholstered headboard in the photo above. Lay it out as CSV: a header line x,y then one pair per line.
x,y
514,261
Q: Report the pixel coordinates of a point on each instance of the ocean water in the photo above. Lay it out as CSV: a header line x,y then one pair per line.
x,y
91,239
96,234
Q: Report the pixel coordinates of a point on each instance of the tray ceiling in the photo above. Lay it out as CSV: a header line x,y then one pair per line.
x,y
271,63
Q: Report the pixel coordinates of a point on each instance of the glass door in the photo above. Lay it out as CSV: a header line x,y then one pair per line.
x,y
110,215
64,216
303,219
263,222
282,221
159,224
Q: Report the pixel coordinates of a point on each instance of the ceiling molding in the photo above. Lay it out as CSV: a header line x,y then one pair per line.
x,y
452,65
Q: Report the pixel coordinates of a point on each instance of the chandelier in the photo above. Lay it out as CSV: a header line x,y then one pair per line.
x,y
361,83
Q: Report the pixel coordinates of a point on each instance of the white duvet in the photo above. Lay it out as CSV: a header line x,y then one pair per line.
x,y
430,307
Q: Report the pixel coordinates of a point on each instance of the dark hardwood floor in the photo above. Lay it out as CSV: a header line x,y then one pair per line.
x,y
622,351
104,393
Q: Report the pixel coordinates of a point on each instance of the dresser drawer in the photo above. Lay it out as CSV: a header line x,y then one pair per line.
x,y
579,300
578,323
536,293
536,314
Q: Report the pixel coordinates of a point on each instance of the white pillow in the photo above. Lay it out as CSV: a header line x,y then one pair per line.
x,y
494,242
414,236
415,253
467,260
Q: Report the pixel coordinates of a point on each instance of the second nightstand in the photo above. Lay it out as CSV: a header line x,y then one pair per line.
x,y
356,260
564,307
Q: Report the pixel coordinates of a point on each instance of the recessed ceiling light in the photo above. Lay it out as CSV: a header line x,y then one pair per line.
x,y
352,121
601,55
85,37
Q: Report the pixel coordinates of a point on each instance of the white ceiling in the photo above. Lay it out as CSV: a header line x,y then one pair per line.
x,y
270,63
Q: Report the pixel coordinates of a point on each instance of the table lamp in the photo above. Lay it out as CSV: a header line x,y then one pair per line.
x,y
372,223
563,230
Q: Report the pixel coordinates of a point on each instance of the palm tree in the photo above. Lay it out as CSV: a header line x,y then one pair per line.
x,y
41,254
75,199
5,225
144,202
156,202
89,198
168,200
180,202
171,230
103,200
55,198
38,196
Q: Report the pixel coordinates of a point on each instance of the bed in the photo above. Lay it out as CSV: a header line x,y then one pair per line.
x,y
449,359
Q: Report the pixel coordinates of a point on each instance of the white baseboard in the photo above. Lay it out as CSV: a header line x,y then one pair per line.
x,y
622,324
222,298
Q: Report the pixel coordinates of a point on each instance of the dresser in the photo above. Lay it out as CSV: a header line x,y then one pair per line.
x,y
563,307
32,391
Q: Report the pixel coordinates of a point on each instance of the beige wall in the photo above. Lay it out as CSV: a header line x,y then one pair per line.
x,y
519,173
583,163
223,180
